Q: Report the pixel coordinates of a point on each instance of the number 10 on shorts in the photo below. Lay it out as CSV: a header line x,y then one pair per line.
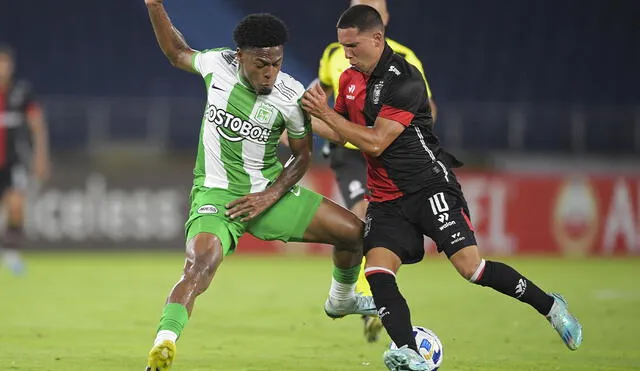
x,y
438,203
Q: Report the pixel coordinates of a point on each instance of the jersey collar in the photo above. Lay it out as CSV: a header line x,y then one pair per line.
x,y
381,67
242,80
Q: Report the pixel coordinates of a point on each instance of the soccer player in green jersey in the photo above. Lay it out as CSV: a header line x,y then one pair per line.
x,y
239,185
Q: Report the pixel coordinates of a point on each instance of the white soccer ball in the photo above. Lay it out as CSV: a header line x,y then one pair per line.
x,y
429,346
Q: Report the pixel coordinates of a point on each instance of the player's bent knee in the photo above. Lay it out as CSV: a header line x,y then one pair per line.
x,y
472,275
350,247
355,231
468,269
467,262
206,251
467,272
346,234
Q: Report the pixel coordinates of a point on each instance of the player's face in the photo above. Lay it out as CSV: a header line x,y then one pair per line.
x,y
361,48
6,67
260,66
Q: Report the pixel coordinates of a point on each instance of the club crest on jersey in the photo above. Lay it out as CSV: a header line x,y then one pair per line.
x,y
263,113
377,88
240,129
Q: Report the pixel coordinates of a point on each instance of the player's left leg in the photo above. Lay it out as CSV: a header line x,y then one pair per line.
x,y
210,236
362,286
337,226
453,232
305,216
506,280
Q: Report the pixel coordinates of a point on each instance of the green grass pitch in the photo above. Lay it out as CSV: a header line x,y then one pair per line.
x,y
80,311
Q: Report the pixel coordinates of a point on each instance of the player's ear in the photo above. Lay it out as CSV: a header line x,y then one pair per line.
x,y
239,55
378,36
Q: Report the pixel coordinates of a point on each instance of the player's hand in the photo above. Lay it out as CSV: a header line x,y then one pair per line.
x,y
314,101
251,205
152,2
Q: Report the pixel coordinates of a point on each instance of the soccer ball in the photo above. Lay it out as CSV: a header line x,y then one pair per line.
x,y
429,346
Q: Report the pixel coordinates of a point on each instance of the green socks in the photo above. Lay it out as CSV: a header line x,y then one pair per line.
x,y
174,318
348,276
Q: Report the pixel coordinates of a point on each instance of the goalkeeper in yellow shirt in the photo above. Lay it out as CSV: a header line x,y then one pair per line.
x,y
347,162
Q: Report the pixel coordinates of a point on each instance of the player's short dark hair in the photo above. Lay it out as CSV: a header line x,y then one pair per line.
x,y
6,49
362,17
260,31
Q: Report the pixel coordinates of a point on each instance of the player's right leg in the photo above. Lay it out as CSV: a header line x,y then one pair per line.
x,y
5,182
14,185
210,237
382,267
391,240
204,253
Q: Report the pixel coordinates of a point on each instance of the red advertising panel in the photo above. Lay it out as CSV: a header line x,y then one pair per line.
x,y
512,213
552,213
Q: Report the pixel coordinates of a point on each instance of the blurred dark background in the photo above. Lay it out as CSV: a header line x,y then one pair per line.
x,y
529,77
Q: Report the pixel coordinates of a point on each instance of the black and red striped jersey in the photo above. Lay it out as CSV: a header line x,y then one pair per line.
x,y
395,90
17,103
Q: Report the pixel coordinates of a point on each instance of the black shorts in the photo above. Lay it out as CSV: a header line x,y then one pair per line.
x,y
439,212
13,177
350,168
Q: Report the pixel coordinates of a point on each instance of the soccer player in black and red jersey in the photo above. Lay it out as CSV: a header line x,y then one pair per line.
x,y
382,109
23,148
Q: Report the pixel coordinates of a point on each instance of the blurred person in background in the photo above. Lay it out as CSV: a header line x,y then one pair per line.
x,y
239,184
347,162
414,190
24,148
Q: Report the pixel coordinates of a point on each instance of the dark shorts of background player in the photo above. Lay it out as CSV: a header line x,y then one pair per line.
x,y
13,176
439,211
350,168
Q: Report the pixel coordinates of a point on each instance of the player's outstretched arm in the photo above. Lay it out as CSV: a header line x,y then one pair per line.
x,y
169,38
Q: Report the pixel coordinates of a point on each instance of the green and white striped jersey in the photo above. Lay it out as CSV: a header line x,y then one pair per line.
x,y
240,129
